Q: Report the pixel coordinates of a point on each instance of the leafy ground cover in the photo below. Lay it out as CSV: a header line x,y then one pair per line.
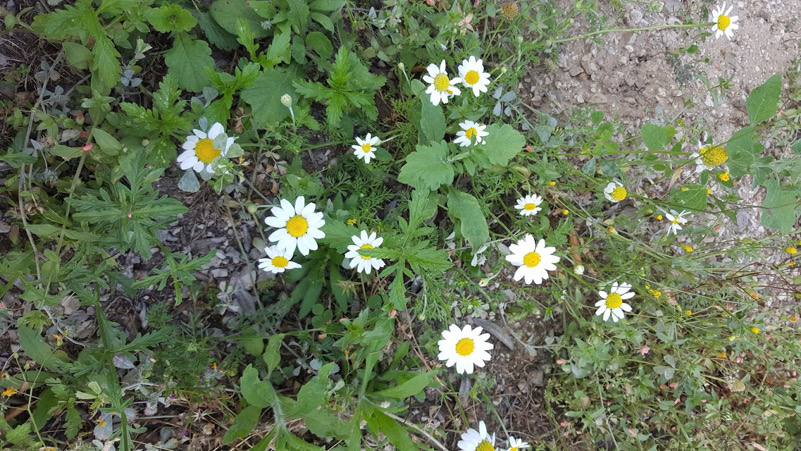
x,y
343,225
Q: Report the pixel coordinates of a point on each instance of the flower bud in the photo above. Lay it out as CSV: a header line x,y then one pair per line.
x,y
286,100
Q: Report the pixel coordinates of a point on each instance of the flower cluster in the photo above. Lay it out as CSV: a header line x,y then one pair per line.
x,y
298,227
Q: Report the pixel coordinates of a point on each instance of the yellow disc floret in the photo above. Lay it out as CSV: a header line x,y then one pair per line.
x,y
205,150
471,77
530,206
441,83
618,194
485,446
723,22
465,346
470,133
366,147
297,226
713,156
531,259
614,301
280,262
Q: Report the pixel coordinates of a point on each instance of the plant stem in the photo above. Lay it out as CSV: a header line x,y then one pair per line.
x,y
628,30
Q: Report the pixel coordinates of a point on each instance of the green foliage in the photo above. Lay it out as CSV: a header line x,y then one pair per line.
x,y
427,168
188,60
763,101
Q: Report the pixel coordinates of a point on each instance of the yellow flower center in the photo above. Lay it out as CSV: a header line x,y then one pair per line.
x,y
510,10
471,77
297,226
530,206
618,194
724,177
614,301
465,346
280,262
366,147
531,259
713,156
485,446
514,448
441,82
366,246
723,22
205,150
470,133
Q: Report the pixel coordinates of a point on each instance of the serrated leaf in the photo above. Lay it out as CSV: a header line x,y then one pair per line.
x,y
763,101
427,168
187,60
264,96
105,65
216,34
77,55
19,434
467,211
502,144
226,13
779,207
170,18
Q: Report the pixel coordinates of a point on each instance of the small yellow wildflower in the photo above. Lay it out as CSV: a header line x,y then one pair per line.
x,y
9,392
352,221
552,183
732,337
687,248
612,230
791,250
708,191
214,366
656,293
565,212
688,312
724,177
793,318
755,330
722,355
658,217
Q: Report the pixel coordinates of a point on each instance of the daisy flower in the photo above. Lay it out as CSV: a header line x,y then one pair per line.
x,y
470,130
360,262
676,221
471,71
365,149
529,205
724,24
298,226
477,440
612,304
277,260
201,150
442,88
516,444
709,157
533,258
464,347
615,192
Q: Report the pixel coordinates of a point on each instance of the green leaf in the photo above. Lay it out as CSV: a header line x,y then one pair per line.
x,y
187,60
189,182
465,208
326,5
226,13
656,137
170,18
243,424
320,44
255,391
779,207
312,394
272,353
502,144
77,55
394,432
264,96
253,344
427,168
35,347
108,144
432,121
298,15
216,35
19,434
763,102
105,65
65,152
690,197
411,387
743,150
